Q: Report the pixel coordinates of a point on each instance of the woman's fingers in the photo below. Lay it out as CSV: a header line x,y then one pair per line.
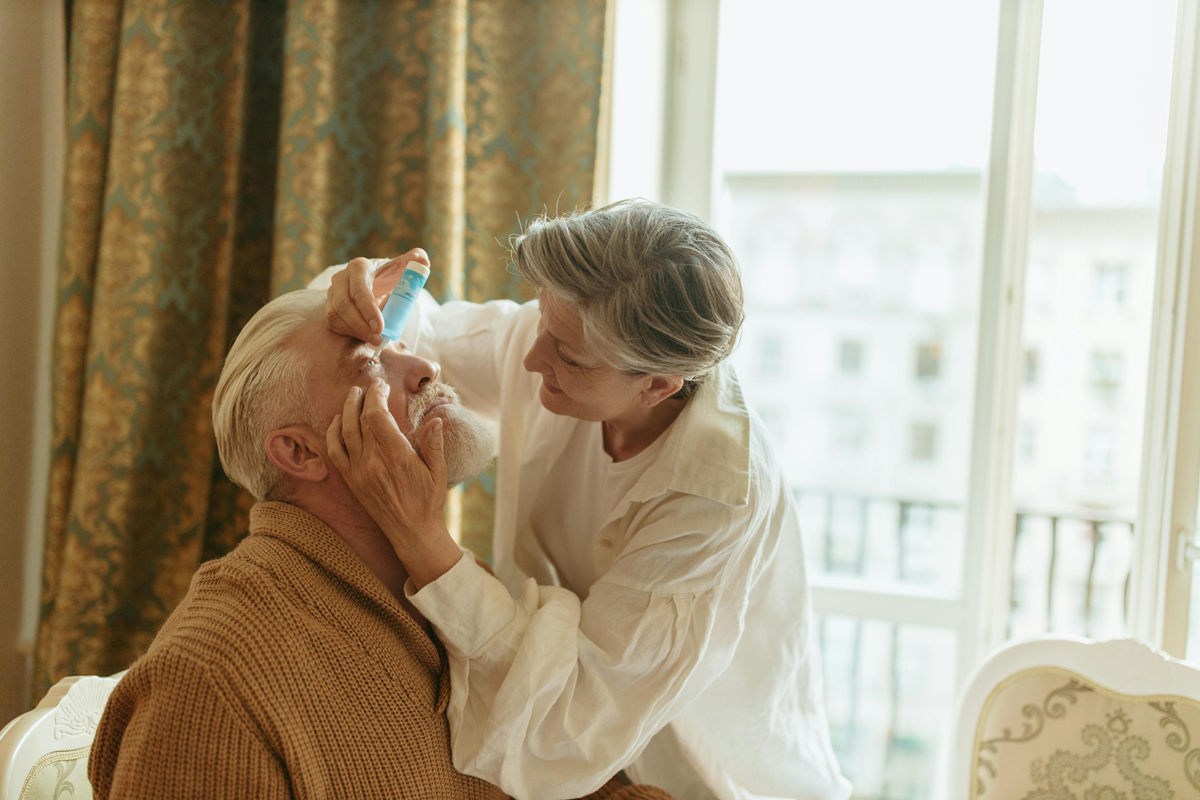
x,y
417,254
351,427
350,308
360,293
335,448
431,450
378,424
388,275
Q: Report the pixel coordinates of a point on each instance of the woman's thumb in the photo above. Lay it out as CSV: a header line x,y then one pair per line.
x,y
431,448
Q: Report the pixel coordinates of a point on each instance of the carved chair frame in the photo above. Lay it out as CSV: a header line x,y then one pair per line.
x,y
1123,666
64,722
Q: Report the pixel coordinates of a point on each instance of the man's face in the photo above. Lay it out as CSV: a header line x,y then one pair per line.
x,y
337,363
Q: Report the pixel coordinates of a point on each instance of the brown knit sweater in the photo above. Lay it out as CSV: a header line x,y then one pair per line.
x,y
288,671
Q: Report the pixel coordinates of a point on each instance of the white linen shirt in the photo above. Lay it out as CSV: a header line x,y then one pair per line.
x,y
699,618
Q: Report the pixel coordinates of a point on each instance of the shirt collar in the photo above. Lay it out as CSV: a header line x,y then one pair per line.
x,y
321,544
707,452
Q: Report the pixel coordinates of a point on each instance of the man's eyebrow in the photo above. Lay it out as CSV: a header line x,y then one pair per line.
x,y
353,349
346,357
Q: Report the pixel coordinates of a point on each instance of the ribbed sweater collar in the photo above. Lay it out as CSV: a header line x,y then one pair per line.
x,y
322,545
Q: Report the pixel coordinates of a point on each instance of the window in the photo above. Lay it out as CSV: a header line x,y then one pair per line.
x,y
848,432
772,355
924,441
1110,282
929,360
1027,442
893,237
850,356
1105,372
1032,365
1099,455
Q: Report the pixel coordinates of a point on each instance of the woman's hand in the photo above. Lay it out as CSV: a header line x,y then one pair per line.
x,y
403,492
357,292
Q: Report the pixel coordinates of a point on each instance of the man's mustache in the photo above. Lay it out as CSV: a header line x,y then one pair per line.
x,y
419,403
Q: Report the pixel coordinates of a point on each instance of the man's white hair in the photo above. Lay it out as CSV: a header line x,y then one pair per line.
x,y
263,388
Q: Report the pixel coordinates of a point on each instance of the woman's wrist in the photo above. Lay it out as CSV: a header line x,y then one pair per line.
x,y
427,555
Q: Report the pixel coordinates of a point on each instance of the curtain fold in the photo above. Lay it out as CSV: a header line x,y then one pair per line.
x,y
222,153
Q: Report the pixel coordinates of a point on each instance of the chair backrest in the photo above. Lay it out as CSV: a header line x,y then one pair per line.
x,y
1060,717
44,752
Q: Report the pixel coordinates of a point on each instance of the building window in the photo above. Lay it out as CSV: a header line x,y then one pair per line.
x,y
849,432
1110,286
850,356
772,356
1027,442
1105,372
924,441
929,360
1099,453
1033,363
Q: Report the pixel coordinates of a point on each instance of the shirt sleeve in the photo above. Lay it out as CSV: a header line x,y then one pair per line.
x,y
167,732
550,696
471,341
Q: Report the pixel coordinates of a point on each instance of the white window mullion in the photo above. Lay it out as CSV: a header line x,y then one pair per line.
x,y
1159,588
688,168
899,604
989,535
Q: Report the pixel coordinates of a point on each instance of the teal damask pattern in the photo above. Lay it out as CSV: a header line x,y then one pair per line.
x,y
220,153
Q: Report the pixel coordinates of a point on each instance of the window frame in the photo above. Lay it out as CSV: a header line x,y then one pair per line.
x,y
1160,588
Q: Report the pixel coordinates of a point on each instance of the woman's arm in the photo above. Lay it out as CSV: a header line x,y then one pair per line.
x,y
551,695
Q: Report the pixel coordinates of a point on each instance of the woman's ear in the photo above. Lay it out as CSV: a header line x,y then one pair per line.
x,y
297,453
660,388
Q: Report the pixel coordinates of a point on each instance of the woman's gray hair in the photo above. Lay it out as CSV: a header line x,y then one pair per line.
x,y
657,289
263,388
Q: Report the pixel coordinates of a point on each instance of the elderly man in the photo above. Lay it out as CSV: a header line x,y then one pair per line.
x,y
295,667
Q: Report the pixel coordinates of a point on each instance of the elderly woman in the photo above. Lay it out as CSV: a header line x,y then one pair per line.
x,y
650,611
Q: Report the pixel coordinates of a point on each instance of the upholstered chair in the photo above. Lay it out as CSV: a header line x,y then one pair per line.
x,y
1066,719
44,753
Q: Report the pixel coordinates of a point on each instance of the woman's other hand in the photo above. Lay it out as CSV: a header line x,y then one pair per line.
x,y
404,493
357,292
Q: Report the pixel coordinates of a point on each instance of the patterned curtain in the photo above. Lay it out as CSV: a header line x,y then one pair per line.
x,y
220,153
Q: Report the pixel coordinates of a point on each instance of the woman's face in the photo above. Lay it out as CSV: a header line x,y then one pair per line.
x,y
575,381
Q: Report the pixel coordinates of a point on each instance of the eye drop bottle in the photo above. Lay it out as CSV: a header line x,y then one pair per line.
x,y
401,302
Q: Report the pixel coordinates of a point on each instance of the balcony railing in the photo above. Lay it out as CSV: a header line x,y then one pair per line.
x,y
885,579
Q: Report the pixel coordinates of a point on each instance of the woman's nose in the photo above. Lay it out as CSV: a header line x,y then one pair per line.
x,y
535,359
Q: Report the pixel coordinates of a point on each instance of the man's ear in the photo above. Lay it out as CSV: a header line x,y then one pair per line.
x,y
297,452
660,388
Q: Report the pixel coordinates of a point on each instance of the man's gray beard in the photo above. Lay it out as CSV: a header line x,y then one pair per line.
x,y
467,444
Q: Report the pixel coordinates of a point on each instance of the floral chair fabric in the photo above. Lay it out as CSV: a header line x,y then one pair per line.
x,y
58,775
1049,734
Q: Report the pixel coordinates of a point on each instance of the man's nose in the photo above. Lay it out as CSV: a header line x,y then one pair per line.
x,y
418,372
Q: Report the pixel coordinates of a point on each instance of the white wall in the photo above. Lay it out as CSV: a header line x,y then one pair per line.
x,y
32,96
